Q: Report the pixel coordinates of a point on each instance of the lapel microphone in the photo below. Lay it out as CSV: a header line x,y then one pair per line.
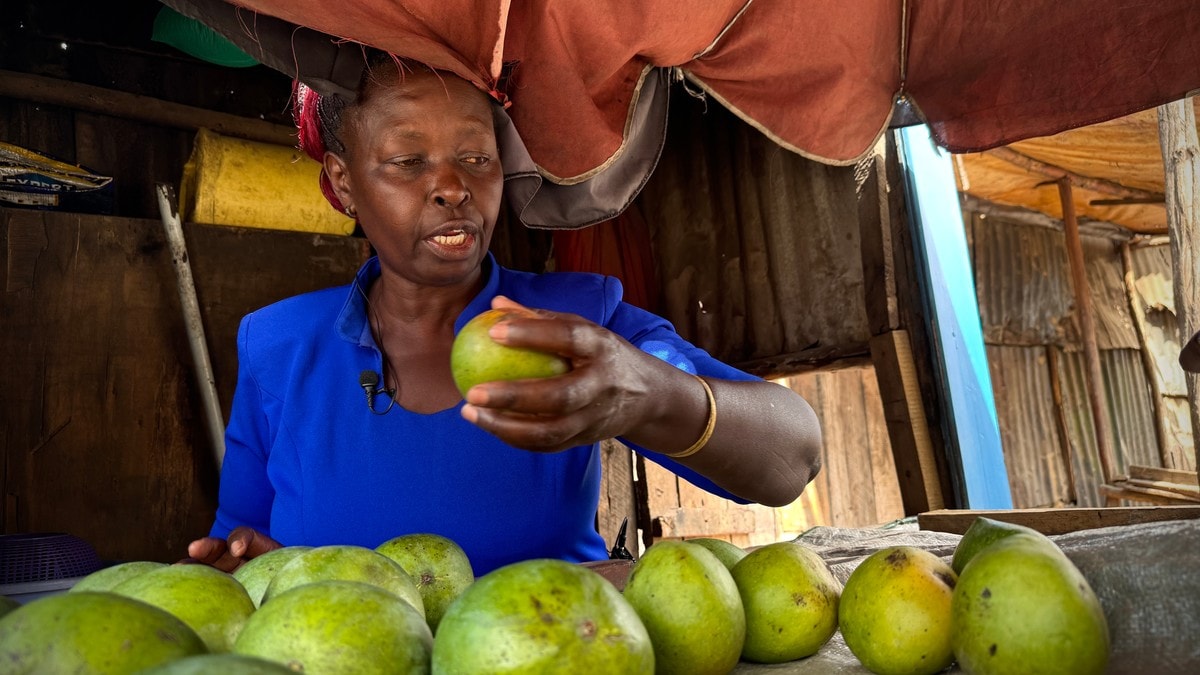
x,y
369,381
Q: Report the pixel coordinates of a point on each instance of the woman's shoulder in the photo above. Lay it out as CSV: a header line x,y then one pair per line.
x,y
295,317
582,293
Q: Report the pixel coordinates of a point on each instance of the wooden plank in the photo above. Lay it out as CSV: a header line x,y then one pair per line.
x,y
1181,165
102,146
889,504
1165,475
703,522
859,501
827,358
1060,423
1139,323
1126,491
616,494
48,130
1056,521
1162,486
875,208
99,430
912,448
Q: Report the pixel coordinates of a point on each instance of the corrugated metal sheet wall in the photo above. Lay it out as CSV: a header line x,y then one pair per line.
x,y
1027,309
780,230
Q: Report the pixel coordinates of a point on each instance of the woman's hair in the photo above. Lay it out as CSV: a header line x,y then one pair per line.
x,y
319,118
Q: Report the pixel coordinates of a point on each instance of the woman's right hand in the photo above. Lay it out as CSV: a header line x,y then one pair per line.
x,y
228,554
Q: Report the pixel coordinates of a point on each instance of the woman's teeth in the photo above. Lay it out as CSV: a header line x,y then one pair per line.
x,y
457,239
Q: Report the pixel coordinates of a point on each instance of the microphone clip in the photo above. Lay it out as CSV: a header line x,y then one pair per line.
x,y
369,381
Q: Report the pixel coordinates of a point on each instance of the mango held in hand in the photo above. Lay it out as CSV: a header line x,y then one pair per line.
x,y
690,606
542,616
895,612
1021,607
791,602
476,358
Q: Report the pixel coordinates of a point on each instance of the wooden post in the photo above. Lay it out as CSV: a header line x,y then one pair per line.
x,y
1087,325
892,302
1181,164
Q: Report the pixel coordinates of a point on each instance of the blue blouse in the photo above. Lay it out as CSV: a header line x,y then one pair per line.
x,y
307,463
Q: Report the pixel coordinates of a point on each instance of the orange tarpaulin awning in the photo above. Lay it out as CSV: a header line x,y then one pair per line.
x,y
588,80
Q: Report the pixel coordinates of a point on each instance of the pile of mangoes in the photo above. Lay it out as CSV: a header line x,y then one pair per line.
x,y
1009,602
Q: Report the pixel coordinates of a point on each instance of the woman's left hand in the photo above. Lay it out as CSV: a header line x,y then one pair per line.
x,y
610,389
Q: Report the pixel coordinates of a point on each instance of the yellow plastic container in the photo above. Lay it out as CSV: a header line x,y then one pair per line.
x,y
230,181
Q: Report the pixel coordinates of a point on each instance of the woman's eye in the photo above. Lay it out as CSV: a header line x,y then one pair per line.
x,y
407,162
478,160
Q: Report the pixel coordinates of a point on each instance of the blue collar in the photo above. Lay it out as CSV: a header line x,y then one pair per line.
x,y
353,326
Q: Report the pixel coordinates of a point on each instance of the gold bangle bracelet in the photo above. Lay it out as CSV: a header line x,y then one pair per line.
x,y
708,428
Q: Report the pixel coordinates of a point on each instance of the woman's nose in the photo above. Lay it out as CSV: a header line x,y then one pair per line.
x,y
450,189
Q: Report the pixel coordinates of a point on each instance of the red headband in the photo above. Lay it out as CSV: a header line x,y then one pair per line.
x,y
308,124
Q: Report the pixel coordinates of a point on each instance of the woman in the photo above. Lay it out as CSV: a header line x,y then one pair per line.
x,y
512,472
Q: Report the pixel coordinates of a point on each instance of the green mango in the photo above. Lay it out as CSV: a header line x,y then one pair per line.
x,y
1023,608
729,554
691,608
256,573
983,533
542,616
345,563
791,602
339,627
894,612
438,566
92,632
109,577
209,601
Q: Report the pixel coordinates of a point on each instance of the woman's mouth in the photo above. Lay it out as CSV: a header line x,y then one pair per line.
x,y
451,239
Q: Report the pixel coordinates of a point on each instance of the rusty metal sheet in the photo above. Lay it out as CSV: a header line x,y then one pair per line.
x,y
1023,284
1033,451
758,248
1153,274
1131,418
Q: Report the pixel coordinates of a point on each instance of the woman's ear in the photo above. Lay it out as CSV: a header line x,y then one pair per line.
x,y
339,176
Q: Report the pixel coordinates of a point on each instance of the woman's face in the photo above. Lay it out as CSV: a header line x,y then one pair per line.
x,y
422,170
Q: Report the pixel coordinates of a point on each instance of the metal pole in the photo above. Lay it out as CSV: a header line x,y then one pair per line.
x,y
214,420
1087,326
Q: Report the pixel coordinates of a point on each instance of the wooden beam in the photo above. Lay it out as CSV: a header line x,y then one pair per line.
x,y
1086,182
1124,490
1181,164
690,521
816,358
1087,323
1139,323
916,464
1060,422
899,346
67,94
1176,476
1057,521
